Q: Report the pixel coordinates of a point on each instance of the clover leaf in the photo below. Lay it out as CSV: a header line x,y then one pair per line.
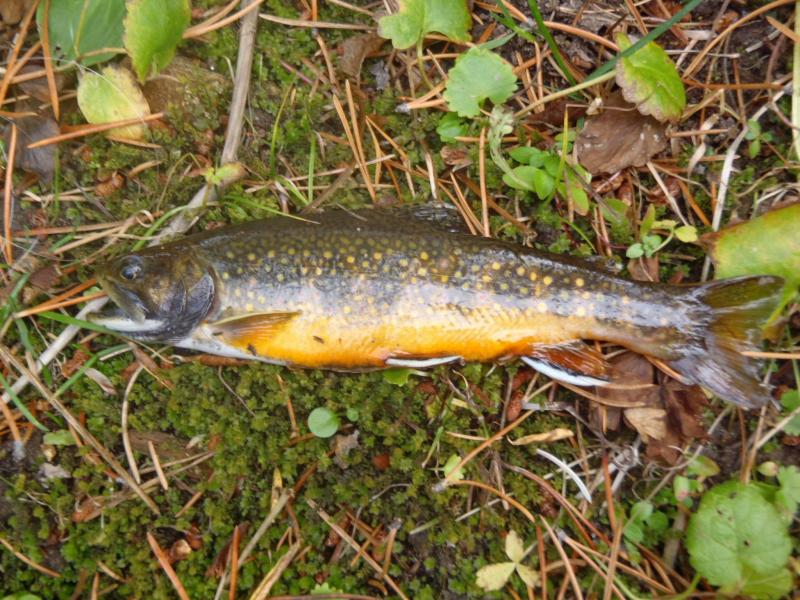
x,y
417,18
477,75
493,577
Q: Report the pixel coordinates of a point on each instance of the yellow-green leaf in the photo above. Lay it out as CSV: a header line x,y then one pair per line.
x,y
528,575
477,75
493,577
153,29
649,79
514,549
113,95
417,18
766,245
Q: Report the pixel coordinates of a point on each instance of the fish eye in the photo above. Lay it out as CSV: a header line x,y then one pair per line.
x,y
131,269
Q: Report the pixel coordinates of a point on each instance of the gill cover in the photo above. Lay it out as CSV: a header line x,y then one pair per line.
x,y
161,294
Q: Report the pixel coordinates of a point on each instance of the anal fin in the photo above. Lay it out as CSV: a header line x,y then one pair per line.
x,y
571,362
420,363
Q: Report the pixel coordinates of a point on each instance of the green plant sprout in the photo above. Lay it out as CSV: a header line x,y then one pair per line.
x,y
650,243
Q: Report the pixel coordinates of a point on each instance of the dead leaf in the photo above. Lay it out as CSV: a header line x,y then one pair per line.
x,y
40,161
179,550
110,185
644,268
455,157
172,87
651,423
38,88
342,445
101,380
632,376
619,137
354,50
12,11
539,438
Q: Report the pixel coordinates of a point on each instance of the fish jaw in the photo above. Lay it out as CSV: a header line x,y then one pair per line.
x,y
118,321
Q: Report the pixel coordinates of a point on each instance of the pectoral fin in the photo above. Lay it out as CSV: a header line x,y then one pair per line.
x,y
247,331
571,362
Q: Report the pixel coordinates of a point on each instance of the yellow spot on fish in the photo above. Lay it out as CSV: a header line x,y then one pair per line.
x,y
226,275
424,255
532,276
229,254
563,294
377,255
625,300
414,280
521,271
464,286
581,311
496,266
523,290
291,251
280,277
422,271
237,292
504,286
579,282
318,271
542,307
445,278
365,264
346,310
251,295
351,259
327,254
403,262
239,270
251,257
271,254
262,300
487,278
475,268
547,280
663,320
586,295
248,307
306,253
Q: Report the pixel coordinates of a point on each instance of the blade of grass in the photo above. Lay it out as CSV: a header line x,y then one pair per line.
x,y
551,43
68,320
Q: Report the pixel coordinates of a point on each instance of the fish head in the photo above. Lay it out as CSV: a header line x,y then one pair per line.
x,y
161,294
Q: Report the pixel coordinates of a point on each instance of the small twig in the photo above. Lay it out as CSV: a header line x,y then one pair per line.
x,y
8,195
28,561
85,130
164,562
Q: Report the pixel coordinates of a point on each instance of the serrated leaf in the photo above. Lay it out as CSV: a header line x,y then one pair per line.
x,y
686,233
153,29
477,75
417,18
113,95
450,127
493,577
788,495
78,29
528,575
323,422
735,531
514,548
791,400
649,79
766,245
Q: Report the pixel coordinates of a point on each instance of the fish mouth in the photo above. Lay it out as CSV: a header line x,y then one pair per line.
x,y
128,317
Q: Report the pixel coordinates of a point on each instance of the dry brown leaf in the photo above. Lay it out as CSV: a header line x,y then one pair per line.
x,y
354,50
40,161
342,445
455,157
634,374
547,436
619,137
651,423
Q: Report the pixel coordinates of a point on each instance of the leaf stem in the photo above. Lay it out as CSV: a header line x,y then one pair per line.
x,y
421,65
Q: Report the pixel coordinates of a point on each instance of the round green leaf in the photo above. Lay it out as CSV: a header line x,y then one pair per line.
x,y
477,75
736,534
323,422
79,28
113,95
153,29
649,80
417,18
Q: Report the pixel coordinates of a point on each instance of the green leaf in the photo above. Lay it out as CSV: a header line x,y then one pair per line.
x,y
766,245
579,197
153,29
352,414
528,155
450,465
77,29
790,401
647,221
788,495
521,178
113,95
62,437
753,130
477,75
686,233
450,127
528,575
736,534
772,586
649,80
634,251
323,422
543,183
398,376
702,466
493,577
417,18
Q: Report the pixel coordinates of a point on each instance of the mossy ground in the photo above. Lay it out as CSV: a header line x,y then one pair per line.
x,y
405,432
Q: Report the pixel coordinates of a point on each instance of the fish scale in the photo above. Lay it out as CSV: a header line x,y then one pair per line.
x,y
376,288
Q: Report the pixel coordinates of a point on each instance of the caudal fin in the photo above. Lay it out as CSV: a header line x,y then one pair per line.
x,y
732,313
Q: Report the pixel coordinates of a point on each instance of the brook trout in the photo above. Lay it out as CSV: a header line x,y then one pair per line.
x,y
408,287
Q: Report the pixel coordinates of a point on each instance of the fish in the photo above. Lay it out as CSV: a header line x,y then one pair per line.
x,y
410,287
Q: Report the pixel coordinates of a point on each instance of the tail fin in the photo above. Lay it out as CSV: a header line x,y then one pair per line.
x,y
733,311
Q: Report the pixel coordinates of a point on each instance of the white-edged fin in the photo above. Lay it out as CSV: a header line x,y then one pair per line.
x,y
420,363
210,345
559,374
125,324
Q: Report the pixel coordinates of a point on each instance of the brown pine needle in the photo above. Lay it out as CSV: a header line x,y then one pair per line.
x,y
28,561
56,305
164,562
208,27
237,536
48,61
85,130
8,195
11,66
